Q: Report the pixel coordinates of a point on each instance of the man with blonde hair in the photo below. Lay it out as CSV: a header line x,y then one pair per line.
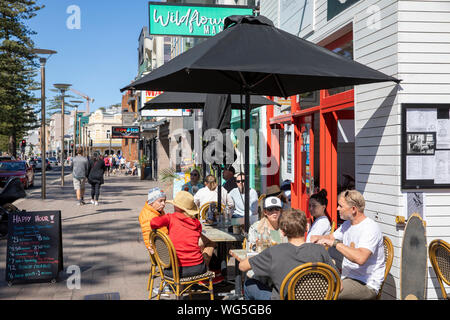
x,y
360,241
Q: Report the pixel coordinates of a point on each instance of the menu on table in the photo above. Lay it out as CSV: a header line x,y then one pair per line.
x,y
34,248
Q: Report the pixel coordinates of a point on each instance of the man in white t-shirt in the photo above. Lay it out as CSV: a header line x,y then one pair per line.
x,y
209,193
360,241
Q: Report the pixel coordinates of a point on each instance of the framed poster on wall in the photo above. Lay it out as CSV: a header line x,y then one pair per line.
x,y
425,146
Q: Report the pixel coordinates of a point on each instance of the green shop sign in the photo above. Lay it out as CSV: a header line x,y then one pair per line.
x,y
190,20
337,6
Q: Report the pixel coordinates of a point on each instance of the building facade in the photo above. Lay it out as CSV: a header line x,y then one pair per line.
x,y
99,131
358,131
56,142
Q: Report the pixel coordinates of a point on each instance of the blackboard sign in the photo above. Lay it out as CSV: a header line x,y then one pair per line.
x,y
34,249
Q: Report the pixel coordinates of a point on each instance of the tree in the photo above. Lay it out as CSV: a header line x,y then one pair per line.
x,y
17,71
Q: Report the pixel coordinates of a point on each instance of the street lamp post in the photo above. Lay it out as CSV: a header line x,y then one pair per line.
x,y
44,55
62,87
75,129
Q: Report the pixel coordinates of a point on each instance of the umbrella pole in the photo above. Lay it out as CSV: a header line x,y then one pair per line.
x,y
247,164
219,189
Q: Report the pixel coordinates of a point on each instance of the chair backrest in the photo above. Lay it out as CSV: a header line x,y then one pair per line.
x,y
388,259
311,281
165,254
333,227
439,253
204,208
261,198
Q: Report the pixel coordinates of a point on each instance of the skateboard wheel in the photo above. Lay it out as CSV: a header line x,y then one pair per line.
x,y
399,219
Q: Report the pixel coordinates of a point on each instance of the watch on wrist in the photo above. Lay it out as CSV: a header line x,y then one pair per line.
x,y
335,242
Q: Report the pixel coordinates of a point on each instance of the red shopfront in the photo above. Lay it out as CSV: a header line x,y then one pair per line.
x,y
316,139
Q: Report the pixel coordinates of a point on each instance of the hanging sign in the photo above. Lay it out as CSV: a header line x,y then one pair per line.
x,y
125,132
190,20
335,7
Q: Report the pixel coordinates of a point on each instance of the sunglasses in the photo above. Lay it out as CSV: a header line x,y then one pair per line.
x,y
240,181
194,175
273,209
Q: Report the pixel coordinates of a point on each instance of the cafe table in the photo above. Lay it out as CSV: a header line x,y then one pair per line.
x,y
222,237
239,255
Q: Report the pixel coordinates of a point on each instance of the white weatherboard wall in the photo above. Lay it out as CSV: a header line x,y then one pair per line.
x,y
424,66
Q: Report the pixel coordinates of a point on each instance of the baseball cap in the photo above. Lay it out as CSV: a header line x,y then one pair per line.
x,y
272,202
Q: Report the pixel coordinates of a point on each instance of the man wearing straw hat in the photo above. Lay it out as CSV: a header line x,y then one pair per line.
x,y
185,231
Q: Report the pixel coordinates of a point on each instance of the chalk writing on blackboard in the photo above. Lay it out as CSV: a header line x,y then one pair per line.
x,y
34,249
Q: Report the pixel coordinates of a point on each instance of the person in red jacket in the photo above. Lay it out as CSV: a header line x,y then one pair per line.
x,y
185,230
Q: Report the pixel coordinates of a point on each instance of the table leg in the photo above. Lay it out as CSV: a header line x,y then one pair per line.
x,y
237,280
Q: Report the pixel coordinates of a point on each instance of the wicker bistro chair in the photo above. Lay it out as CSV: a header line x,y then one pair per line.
x,y
166,258
439,253
333,227
388,258
311,281
205,207
154,273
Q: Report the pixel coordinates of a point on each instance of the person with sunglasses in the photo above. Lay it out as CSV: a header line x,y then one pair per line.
x,y
360,241
268,225
238,197
194,185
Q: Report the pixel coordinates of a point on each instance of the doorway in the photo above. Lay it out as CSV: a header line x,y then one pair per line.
x,y
325,151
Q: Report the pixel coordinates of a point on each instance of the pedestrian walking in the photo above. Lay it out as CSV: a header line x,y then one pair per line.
x,y
122,164
114,164
107,165
80,170
95,177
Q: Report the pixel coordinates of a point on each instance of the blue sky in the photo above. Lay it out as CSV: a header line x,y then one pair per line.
x,y
99,58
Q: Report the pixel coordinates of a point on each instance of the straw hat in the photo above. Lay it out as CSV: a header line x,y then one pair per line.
x,y
185,201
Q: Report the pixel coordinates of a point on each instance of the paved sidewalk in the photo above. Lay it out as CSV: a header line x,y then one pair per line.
x,y
104,241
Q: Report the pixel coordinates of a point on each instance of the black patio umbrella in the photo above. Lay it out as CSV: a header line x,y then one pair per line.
x,y
251,56
194,100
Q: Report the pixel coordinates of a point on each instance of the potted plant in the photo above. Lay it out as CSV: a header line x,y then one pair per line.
x,y
141,169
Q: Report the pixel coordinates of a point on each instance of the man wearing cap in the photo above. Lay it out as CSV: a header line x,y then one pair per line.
x,y
230,180
185,231
154,207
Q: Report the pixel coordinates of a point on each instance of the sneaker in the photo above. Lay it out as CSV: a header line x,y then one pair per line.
x,y
79,203
96,203
165,292
92,201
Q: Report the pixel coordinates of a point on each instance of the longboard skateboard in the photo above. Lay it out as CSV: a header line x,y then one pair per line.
x,y
413,271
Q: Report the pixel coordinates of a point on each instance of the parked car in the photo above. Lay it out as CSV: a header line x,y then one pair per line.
x,y
53,161
39,164
16,168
